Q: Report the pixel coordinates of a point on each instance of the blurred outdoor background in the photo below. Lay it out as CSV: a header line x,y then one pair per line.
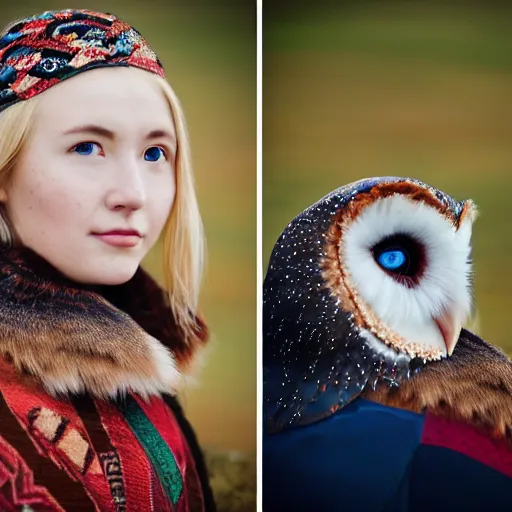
x,y
420,89
208,50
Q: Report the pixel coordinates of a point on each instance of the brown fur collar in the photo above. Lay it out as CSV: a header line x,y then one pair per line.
x,y
104,340
473,385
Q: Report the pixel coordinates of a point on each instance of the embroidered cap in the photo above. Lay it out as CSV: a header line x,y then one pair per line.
x,y
41,51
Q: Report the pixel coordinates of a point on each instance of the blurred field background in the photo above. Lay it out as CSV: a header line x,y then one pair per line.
x,y
420,89
209,53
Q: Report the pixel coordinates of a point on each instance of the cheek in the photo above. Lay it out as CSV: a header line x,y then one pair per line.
x,y
161,208
161,199
44,204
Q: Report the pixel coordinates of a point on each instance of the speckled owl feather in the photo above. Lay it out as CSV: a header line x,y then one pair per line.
x,y
323,347
104,340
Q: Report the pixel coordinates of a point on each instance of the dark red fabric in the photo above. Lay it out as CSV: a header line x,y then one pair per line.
x,y
17,486
469,441
160,501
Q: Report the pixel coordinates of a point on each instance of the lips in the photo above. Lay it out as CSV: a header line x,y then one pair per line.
x,y
120,232
119,237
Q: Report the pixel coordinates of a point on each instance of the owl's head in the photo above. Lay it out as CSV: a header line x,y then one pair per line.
x,y
370,282
397,256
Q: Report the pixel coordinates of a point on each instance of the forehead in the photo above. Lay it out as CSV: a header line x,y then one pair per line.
x,y
122,98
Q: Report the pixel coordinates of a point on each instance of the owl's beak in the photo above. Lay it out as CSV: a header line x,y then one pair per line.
x,y
450,328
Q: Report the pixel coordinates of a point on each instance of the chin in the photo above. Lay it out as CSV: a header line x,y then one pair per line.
x,y
112,269
110,273
114,276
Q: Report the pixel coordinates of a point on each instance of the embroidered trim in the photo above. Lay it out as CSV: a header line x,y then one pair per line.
x,y
114,474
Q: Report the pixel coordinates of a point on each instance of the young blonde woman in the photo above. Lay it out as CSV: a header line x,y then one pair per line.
x,y
94,167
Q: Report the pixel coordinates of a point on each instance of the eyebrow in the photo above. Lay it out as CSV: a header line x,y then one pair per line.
x,y
108,134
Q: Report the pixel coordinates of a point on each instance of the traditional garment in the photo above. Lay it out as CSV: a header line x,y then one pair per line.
x,y
88,420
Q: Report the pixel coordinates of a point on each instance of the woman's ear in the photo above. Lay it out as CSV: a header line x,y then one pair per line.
x,y
3,195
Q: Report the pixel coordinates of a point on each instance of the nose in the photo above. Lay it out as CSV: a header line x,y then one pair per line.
x,y
128,191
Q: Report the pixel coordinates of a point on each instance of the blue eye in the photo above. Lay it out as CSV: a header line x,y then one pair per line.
x,y
403,257
153,154
85,148
392,259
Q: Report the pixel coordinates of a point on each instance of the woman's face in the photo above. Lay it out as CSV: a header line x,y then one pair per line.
x,y
95,182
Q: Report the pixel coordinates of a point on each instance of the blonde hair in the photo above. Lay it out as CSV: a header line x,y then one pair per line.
x,y
183,235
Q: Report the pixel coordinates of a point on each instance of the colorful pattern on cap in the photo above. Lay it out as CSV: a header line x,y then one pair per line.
x,y
41,51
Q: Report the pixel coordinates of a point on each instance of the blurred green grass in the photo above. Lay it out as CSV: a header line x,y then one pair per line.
x,y
231,475
436,33
209,55
393,88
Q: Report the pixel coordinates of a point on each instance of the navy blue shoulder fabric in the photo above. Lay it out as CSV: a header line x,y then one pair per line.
x,y
352,461
442,480
370,457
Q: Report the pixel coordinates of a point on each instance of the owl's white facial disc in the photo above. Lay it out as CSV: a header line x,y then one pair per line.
x,y
407,268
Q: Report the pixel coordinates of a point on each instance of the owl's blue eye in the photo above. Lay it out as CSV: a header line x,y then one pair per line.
x,y
401,256
392,260
85,148
153,154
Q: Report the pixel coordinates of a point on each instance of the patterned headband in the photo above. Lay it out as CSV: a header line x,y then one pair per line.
x,y
41,51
